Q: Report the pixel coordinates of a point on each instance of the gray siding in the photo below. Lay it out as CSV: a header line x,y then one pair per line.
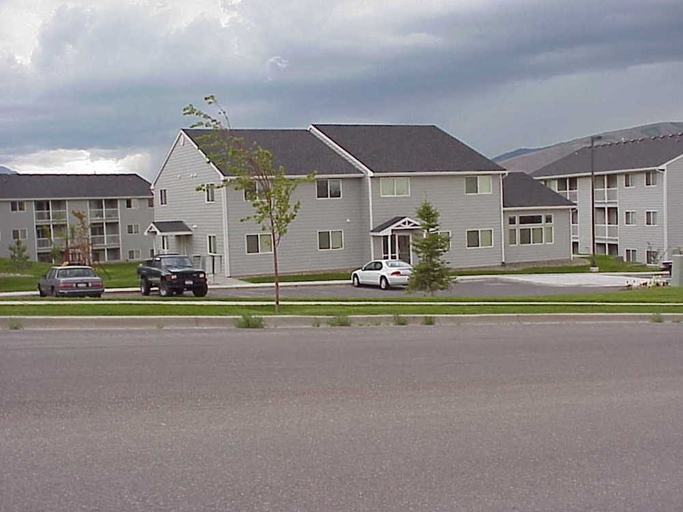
x,y
559,249
184,170
674,214
640,199
298,251
9,221
459,212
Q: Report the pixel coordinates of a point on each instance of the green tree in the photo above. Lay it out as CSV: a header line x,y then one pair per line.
x,y
250,169
18,254
432,272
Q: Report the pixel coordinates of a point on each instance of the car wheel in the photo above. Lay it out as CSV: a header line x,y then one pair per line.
x,y
164,290
40,292
53,292
356,281
200,292
178,292
145,287
383,283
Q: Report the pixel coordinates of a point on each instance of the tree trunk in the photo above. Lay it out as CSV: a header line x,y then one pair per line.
x,y
276,279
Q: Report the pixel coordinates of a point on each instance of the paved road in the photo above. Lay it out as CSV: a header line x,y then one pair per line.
x,y
480,418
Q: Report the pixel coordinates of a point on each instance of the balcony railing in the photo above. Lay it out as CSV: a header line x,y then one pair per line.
x,y
606,195
102,214
108,240
606,231
44,243
575,230
50,216
572,195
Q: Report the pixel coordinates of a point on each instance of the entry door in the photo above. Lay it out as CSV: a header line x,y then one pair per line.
x,y
396,247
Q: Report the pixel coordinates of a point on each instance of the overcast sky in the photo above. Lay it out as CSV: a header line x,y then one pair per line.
x,y
99,85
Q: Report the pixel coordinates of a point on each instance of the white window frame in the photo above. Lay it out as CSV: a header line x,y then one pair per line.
x,y
479,232
546,227
327,182
18,206
650,178
260,237
211,244
631,255
256,189
131,204
386,181
651,256
329,238
651,218
134,254
163,197
17,234
629,180
480,181
133,229
164,243
629,218
210,193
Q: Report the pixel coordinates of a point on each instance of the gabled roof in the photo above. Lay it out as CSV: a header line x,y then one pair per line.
x,y
298,151
168,227
399,222
649,153
522,191
72,186
406,148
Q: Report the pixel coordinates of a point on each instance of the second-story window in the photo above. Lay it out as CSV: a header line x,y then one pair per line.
x,y
163,196
18,206
478,185
131,204
629,181
328,189
210,193
650,178
651,218
394,187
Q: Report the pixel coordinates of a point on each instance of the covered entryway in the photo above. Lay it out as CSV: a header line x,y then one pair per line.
x,y
173,236
392,240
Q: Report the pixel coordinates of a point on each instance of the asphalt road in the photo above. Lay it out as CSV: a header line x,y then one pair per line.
x,y
473,418
478,289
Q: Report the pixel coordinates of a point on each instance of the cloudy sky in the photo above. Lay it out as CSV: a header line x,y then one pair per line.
x,y
99,85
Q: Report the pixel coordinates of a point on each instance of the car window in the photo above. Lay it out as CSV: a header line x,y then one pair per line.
x,y
369,266
378,265
397,264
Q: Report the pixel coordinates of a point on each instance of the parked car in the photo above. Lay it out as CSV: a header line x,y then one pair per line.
x,y
71,281
172,274
383,273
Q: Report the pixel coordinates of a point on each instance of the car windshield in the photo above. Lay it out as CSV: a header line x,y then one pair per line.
x,y
398,264
179,262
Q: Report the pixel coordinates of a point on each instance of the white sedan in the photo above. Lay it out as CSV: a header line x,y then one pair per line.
x,y
383,273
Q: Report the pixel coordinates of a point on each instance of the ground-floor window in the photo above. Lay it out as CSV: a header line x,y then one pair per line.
x,y
259,244
631,255
530,229
479,238
134,254
330,240
211,244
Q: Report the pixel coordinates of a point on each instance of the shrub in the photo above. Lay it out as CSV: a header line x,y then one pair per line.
x,y
339,321
400,320
250,322
428,320
657,318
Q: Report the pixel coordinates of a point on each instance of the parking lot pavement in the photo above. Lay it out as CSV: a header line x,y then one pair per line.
x,y
583,279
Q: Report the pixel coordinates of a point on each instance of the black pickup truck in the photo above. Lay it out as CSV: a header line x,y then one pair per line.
x,y
172,274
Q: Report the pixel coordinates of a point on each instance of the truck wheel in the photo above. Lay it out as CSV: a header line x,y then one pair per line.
x,y
145,287
164,290
200,292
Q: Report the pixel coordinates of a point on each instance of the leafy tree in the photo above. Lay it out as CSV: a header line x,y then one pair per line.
x,y
78,245
18,254
432,272
250,169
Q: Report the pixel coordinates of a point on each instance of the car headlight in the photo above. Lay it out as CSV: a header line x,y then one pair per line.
x,y
202,275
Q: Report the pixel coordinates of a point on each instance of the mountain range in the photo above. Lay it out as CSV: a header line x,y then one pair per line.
x,y
5,170
531,159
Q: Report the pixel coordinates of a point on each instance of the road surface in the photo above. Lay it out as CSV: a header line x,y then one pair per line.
x,y
470,418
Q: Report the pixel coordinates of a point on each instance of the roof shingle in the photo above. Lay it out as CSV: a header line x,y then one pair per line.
x,y
522,191
72,186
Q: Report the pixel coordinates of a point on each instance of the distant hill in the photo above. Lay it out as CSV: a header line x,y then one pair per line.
x,y
528,160
5,170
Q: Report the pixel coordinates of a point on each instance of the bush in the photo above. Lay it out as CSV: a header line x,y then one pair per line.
x,y
339,321
400,320
250,322
428,320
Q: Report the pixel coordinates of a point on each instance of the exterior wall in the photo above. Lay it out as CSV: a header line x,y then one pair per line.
x,y
559,249
459,212
9,221
117,240
640,199
298,251
141,216
184,170
674,207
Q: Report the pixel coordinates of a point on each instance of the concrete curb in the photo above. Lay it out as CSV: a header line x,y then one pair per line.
x,y
284,321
